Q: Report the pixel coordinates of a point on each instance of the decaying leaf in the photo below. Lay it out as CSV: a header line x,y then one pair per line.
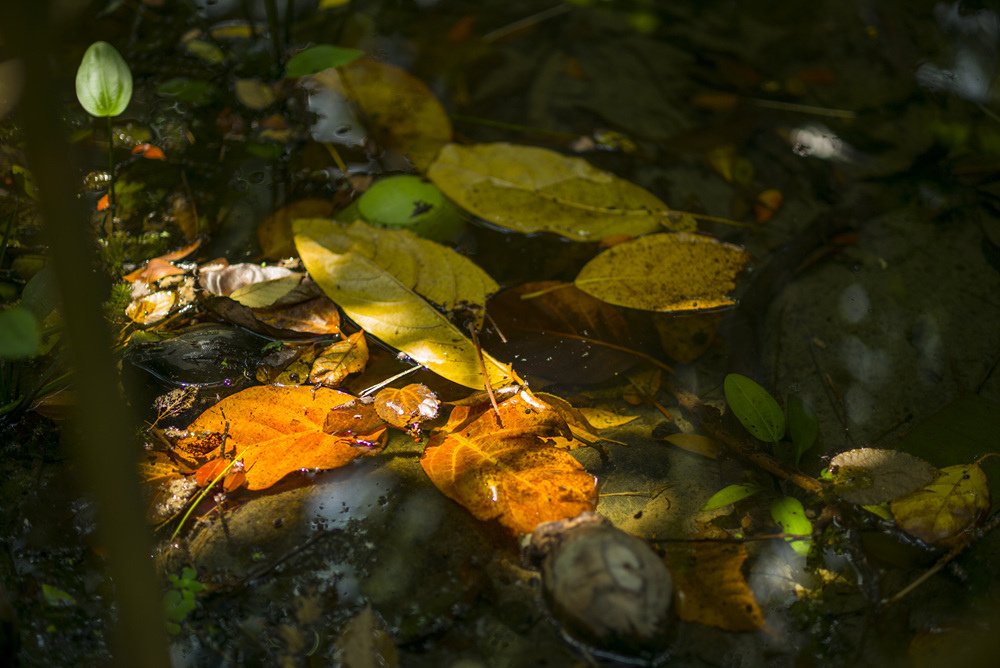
x,y
665,272
562,334
686,337
400,112
227,280
435,272
696,443
364,643
407,406
943,510
870,476
709,586
509,473
602,418
339,360
277,431
529,189
388,310
318,315
152,308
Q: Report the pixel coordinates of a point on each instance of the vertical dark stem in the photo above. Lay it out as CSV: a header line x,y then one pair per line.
x,y
103,431
111,169
274,29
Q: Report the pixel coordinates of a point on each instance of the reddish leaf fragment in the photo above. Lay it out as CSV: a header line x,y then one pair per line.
x,y
407,406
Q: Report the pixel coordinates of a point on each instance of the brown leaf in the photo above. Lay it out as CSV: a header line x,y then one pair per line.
x,y
875,475
354,420
509,472
562,334
339,360
318,315
710,588
407,406
276,431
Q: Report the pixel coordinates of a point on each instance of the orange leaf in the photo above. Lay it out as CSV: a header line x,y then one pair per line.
x,y
149,151
710,588
407,406
104,203
509,472
767,204
318,315
278,430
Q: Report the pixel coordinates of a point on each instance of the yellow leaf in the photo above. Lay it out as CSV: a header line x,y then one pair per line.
x,y
665,272
339,360
602,418
943,510
528,189
696,443
265,293
275,232
435,272
399,110
390,311
710,588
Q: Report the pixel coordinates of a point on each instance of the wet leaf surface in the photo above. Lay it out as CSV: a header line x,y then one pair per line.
x,y
509,472
276,431
407,406
665,272
528,189
388,310
940,512
873,475
339,360
710,587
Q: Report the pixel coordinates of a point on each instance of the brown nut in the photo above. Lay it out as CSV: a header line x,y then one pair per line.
x,y
608,590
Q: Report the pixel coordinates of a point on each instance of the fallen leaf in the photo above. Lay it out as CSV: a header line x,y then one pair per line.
x,y
709,586
528,189
407,406
228,280
388,310
602,418
869,476
399,110
696,443
161,266
686,336
943,510
339,360
152,308
435,272
318,315
665,272
277,431
364,643
767,204
509,473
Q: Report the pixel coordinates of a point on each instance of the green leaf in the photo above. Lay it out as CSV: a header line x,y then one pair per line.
x,y
791,517
20,335
103,81
318,58
803,427
56,597
411,202
755,408
731,494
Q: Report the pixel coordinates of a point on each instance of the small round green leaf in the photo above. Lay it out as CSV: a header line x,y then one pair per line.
x,y
411,202
731,494
103,81
755,408
318,58
19,333
791,517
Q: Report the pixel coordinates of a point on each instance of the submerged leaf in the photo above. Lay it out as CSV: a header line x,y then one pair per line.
x,y
873,475
731,494
277,431
791,517
755,408
665,272
388,310
710,588
509,472
943,510
528,189
320,57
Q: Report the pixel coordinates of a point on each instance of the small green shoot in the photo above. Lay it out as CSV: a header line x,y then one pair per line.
x,y
180,601
318,58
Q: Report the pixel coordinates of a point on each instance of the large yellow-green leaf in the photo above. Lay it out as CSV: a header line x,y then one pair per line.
x,y
388,310
433,271
529,189
665,272
943,510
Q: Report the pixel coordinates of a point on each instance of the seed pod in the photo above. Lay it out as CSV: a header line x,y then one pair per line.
x,y
608,590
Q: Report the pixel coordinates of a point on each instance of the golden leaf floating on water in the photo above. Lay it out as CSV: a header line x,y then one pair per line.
x,y
509,473
277,431
943,510
528,189
385,308
665,272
